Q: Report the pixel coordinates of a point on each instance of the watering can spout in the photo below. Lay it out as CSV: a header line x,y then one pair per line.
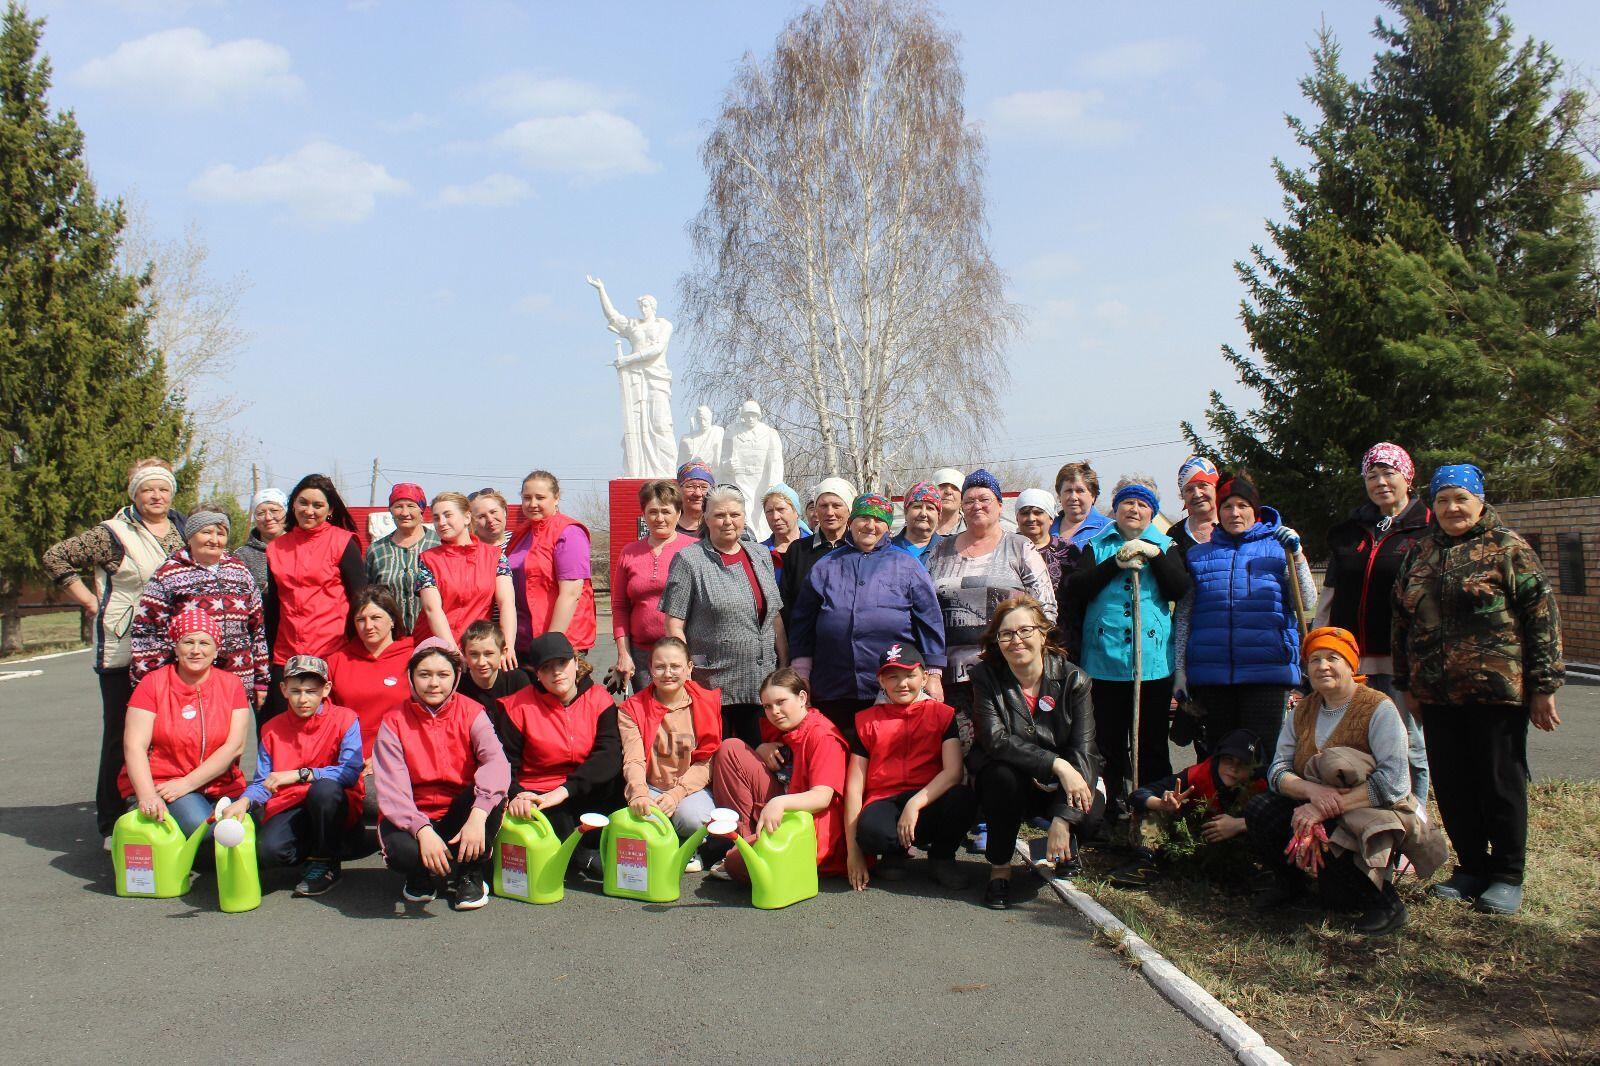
x,y
754,861
191,846
550,875
686,850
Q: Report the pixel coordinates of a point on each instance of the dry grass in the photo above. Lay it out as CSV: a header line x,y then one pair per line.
x,y
55,631
1453,981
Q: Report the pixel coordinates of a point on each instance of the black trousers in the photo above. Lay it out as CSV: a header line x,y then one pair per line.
x,y
603,800
402,854
274,704
1258,708
941,826
842,713
116,689
1478,767
313,830
1341,884
1113,731
1009,796
742,720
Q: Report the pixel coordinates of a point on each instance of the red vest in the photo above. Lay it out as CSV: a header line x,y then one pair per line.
x,y
370,687
705,705
311,602
465,580
541,585
440,759
556,739
820,755
903,746
1202,777
191,723
293,742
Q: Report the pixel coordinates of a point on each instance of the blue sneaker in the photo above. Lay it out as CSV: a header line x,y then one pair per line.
x,y
1459,887
1499,898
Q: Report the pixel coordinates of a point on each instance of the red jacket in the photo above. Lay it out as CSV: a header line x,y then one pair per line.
x,y
541,585
191,723
820,755
464,576
440,759
292,741
902,746
370,687
556,742
312,604
705,706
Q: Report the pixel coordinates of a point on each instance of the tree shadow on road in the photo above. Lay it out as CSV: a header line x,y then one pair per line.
x,y
67,829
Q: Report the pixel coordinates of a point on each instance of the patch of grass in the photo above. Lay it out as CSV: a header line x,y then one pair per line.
x,y
44,633
1453,981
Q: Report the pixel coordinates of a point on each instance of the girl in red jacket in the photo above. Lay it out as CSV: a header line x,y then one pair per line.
x,y
441,779
904,786
459,581
560,736
746,779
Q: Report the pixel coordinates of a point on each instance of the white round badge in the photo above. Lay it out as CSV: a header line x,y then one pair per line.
x,y
189,712
391,681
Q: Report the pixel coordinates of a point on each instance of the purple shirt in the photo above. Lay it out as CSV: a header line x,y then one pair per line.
x,y
570,558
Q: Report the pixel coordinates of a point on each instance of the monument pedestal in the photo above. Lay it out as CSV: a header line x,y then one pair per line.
x,y
627,517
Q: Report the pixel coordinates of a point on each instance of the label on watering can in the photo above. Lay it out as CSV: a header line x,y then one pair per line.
x,y
514,869
139,869
633,864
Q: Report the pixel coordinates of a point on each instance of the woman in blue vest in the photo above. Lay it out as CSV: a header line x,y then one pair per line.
x,y
1243,650
1102,588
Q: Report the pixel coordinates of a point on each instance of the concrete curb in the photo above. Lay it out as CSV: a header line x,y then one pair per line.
x,y
1202,1007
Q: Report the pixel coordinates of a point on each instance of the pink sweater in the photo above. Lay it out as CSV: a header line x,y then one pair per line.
x,y
636,590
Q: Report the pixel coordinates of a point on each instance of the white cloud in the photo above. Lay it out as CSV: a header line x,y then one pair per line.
x,y
522,93
1070,116
412,123
184,68
496,190
318,183
1138,60
595,144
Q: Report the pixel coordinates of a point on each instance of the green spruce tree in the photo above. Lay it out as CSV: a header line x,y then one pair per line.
x,y
1433,281
83,393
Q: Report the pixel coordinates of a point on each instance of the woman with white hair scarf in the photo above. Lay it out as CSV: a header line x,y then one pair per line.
x,y
124,552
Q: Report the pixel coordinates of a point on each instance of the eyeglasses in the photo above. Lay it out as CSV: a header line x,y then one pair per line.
x,y
1017,635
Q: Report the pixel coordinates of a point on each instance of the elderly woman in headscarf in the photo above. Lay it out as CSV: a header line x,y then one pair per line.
x,y
269,520
1477,655
1036,509
695,481
205,574
920,534
1197,487
123,551
1364,556
781,506
832,502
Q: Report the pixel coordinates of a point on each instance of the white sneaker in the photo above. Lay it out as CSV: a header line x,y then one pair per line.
x,y
107,844
694,866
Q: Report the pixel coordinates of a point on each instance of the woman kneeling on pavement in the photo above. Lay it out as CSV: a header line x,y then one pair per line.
x,y
904,786
186,726
1340,804
747,780
1035,752
1477,655
441,780
670,731
560,736
307,788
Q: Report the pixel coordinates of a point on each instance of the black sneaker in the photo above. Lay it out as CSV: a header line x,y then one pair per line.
x,y
1279,893
1382,919
947,873
419,887
1070,868
891,866
470,894
1140,873
588,865
997,896
318,876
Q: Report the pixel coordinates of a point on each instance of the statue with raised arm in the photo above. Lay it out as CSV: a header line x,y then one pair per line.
x,y
648,443
752,458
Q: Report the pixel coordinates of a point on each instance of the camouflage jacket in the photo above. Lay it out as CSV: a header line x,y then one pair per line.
x,y
1474,618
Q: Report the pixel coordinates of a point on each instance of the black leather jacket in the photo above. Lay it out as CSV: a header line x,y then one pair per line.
x,y
1006,731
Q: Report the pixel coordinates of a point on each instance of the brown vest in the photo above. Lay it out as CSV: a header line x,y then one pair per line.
x,y
1350,732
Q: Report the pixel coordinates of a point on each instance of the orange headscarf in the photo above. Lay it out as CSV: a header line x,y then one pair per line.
x,y
1334,639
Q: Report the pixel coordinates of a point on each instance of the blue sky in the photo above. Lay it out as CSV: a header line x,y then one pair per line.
x,y
415,192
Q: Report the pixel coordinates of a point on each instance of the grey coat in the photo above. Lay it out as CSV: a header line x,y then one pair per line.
x,y
728,647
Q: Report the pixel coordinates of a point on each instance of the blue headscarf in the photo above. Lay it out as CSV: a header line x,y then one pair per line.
x,y
981,479
1137,492
1459,475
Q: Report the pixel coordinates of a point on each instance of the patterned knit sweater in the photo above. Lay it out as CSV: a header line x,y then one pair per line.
x,y
227,592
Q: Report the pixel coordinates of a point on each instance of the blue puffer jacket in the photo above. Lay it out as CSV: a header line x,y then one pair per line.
x,y
1242,630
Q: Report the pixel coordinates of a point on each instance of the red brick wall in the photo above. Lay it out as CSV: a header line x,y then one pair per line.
x,y
1546,520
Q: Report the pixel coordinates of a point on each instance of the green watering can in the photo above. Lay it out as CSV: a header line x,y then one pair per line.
x,y
238,876
151,857
782,864
530,861
642,856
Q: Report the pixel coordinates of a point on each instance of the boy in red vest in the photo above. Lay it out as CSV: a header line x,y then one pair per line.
x,y
307,792
1219,786
903,786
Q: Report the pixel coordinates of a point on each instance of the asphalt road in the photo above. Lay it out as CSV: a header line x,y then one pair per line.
x,y
907,974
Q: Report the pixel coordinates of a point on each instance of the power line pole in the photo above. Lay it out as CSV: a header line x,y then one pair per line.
x,y
372,494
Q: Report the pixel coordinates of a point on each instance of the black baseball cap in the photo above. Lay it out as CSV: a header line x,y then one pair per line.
x,y
1242,745
898,656
548,646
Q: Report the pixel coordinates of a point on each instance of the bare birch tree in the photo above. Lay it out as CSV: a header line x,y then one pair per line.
x,y
842,274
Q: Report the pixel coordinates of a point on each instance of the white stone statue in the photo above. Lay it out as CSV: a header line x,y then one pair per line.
x,y
705,443
752,458
647,437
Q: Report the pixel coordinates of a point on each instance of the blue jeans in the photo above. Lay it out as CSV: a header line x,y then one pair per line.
x,y
1418,746
191,811
694,811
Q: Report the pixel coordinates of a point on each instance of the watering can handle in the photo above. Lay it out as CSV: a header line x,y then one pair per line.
x,y
665,822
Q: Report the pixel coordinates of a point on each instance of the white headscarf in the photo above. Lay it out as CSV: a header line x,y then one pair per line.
x,y
147,474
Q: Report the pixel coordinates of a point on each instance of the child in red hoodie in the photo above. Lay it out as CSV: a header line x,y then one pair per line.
x,y
904,785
